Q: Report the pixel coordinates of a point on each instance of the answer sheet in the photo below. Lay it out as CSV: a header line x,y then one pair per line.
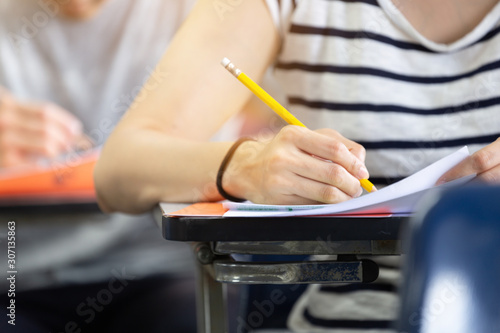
x,y
398,198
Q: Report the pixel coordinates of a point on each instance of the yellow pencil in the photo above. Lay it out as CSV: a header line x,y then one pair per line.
x,y
274,105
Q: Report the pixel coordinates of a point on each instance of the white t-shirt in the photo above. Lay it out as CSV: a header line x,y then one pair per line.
x,y
93,69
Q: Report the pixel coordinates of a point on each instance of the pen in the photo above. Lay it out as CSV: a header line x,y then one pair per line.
x,y
274,105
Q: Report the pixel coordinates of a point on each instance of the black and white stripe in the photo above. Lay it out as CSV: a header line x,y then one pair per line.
x,y
350,307
371,71
382,86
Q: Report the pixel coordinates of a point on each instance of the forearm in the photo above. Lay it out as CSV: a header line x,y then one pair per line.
x,y
160,168
160,150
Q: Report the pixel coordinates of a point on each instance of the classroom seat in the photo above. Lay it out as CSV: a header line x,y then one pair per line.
x,y
452,271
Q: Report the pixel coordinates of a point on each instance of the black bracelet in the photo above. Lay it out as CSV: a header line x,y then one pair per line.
x,y
223,167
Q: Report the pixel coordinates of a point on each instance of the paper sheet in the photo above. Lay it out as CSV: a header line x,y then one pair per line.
x,y
400,197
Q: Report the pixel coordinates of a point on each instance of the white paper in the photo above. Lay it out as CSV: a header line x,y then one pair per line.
x,y
399,197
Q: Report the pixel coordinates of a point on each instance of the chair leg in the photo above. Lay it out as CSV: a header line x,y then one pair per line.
x,y
211,302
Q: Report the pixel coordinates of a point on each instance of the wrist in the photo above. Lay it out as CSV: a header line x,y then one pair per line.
x,y
236,180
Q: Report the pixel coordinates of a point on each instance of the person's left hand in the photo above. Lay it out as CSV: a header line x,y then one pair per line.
x,y
485,163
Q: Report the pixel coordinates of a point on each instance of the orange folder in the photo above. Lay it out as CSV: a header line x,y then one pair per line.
x,y
201,209
69,178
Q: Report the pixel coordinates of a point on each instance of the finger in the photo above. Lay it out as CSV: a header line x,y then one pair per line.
x,y
65,118
330,149
39,115
355,148
13,120
52,125
30,128
477,163
311,190
327,173
34,143
42,124
14,158
491,176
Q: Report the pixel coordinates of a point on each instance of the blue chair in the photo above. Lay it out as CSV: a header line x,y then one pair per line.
x,y
452,274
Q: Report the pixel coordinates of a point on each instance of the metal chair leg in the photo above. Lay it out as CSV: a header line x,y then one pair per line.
x,y
211,295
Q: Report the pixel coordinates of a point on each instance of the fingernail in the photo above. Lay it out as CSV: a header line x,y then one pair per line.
x,y
363,173
359,193
441,182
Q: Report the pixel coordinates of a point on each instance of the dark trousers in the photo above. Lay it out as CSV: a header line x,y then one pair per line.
x,y
159,304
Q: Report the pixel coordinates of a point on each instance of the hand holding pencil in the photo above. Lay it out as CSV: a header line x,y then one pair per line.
x,y
282,111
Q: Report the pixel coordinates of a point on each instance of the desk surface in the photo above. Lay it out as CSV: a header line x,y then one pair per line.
x,y
208,229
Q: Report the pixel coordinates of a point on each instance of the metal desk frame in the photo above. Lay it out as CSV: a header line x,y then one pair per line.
x,y
215,239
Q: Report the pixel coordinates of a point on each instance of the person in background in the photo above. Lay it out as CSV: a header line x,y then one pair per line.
x,y
68,71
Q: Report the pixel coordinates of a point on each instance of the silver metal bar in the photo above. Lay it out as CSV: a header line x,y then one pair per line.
x,y
285,273
319,247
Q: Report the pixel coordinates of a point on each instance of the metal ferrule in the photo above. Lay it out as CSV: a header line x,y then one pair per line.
x,y
233,70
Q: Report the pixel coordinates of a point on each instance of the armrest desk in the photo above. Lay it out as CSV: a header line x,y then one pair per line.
x,y
216,240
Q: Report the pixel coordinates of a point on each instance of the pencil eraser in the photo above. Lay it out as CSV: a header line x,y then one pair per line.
x,y
225,62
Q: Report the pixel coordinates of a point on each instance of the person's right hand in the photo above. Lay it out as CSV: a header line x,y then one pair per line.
x,y
29,131
298,166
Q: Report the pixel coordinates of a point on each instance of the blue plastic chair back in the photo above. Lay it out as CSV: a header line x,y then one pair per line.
x,y
452,274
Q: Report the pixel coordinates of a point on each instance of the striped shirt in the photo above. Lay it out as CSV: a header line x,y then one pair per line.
x,y
358,66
